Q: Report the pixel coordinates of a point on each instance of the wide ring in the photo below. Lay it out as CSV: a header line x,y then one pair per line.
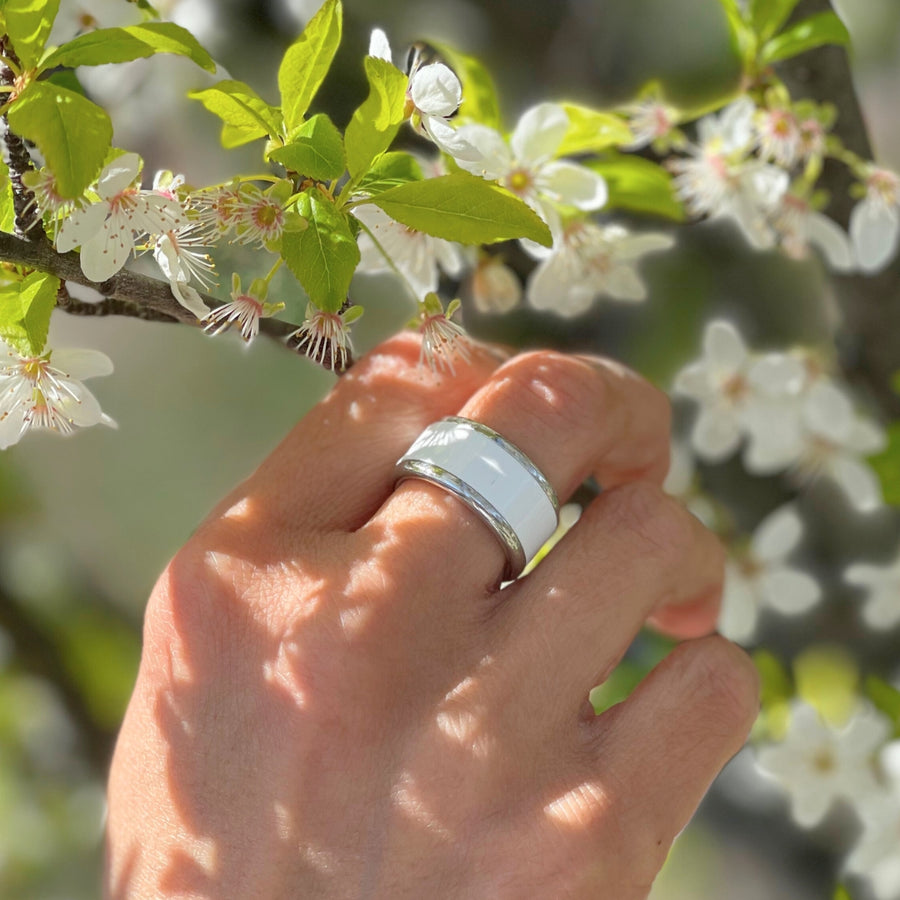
x,y
493,478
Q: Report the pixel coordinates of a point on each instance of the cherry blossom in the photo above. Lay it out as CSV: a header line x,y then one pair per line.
x,y
494,286
818,763
779,136
875,220
800,228
526,163
652,122
245,309
587,261
324,337
107,229
46,391
759,577
881,585
47,199
442,339
417,257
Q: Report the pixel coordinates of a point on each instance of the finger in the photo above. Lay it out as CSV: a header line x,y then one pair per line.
x,y
572,418
335,468
634,552
659,751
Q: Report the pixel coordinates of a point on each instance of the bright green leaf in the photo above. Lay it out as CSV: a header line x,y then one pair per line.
x,y
72,133
480,102
823,28
463,208
639,185
887,465
774,679
316,150
841,893
248,116
827,678
7,209
390,170
374,124
768,16
25,308
28,24
324,256
118,45
307,61
743,39
886,698
591,130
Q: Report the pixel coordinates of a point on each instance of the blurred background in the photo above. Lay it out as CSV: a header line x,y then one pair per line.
x,y
86,525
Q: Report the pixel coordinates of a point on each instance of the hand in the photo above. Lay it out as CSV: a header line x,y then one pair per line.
x,y
335,701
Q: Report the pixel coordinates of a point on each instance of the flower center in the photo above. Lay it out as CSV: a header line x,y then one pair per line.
x,y
519,181
823,761
886,186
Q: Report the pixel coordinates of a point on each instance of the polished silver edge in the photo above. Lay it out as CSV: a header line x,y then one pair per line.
x,y
514,452
512,546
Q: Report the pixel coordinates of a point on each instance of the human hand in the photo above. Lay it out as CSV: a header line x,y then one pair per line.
x,y
335,701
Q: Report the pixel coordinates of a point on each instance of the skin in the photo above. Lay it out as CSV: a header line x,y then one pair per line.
x,y
336,701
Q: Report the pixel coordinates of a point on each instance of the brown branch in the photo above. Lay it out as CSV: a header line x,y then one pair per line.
x,y
869,342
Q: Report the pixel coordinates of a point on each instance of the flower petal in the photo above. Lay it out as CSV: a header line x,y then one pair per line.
x,y
573,185
477,149
716,434
81,226
539,132
435,90
777,535
858,481
831,239
874,230
379,46
739,613
624,283
105,253
81,364
118,175
724,347
789,592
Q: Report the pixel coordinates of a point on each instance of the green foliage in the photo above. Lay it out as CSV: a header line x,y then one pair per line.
x,y
118,45
324,256
743,39
463,208
769,16
245,115
823,28
307,61
28,24
390,170
7,209
25,308
775,684
480,101
374,125
827,678
315,150
73,133
886,698
887,465
591,130
639,185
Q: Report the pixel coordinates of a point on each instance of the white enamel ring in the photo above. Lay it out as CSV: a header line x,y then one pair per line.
x,y
493,478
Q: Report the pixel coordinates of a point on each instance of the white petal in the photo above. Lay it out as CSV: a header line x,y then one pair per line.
x,y
624,283
827,411
478,149
777,374
736,124
777,535
694,381
573,185
539,133
435,90
118,175
775,436
767,185
496,288
105,253
81,408
831,239
11,426
448,256
724,347
874,229
866,438
858,482
379,46
81,226
716,434
789,592
738,615
81,364
556,285
636,245
188,298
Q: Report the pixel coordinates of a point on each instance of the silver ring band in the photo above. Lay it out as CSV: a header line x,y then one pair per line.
x,y
493,478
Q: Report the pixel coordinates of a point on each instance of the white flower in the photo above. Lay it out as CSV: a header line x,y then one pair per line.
x,y
681,482
651,121
721,181
779,136
77,16
525,164
245,310
875,221
106,230
495,287
417,257
800,227
442,339
324,337
179,253
587,261
760,577
817,763
434,93
882,590
47,199
46,391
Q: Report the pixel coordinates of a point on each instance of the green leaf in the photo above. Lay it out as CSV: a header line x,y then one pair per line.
x,y
639,185
72,133
390,170
324,256
246,114
823,28
887,465
768,16
307,61
775,684
375,123
591,130
480,102
118,45
316,150
25,308
885,697
743,39
7,209
841,893
28,24
463,208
